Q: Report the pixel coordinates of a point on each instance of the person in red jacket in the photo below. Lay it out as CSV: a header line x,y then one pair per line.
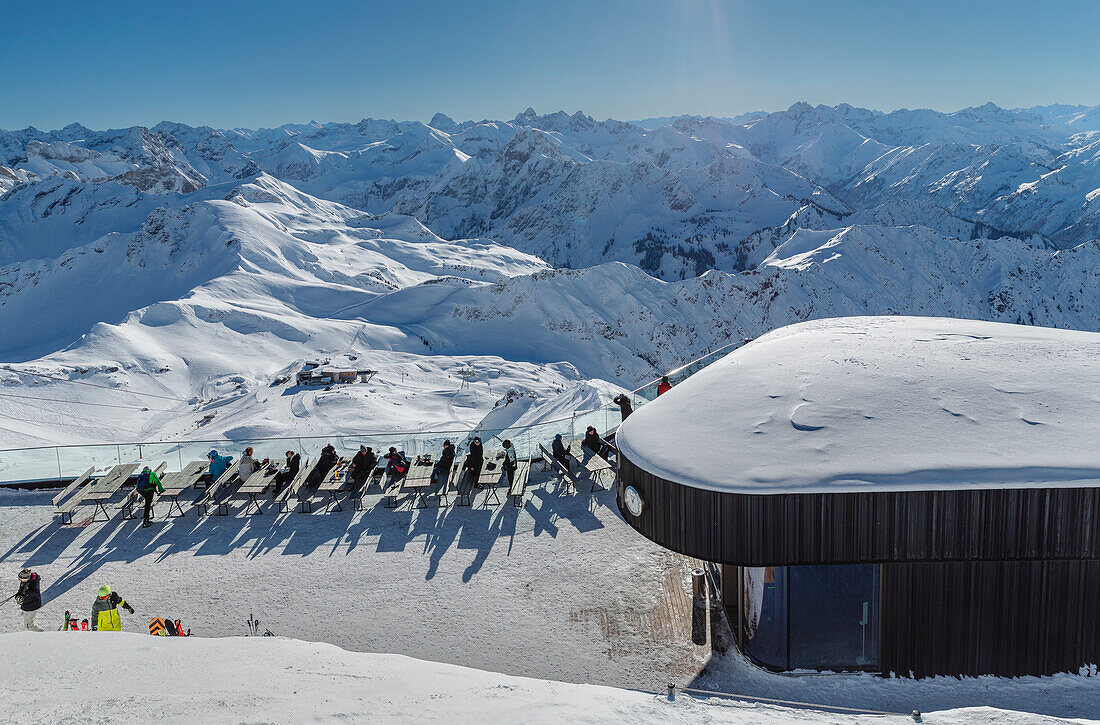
x,y
664,386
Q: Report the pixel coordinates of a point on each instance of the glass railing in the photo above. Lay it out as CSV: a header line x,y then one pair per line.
x,y
53,463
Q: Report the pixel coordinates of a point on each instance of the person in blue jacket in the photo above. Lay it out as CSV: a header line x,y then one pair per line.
x,y
218,465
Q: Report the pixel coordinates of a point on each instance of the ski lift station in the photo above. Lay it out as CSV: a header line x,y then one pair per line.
x,y
900,495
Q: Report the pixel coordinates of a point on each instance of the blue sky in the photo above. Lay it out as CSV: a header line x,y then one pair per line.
x,y
110,64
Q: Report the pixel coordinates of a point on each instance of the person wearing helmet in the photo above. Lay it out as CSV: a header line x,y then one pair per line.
x,y
29,598
147,484
105,610
218,465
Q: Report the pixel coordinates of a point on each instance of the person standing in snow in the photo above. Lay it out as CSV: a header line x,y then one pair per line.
x,y
475,459
105,610
29,598
147,484
362,466
247,466
442,469
561,453
510,462
623,402
664,386
218,465
282,478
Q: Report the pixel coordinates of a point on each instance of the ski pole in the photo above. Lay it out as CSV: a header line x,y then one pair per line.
x,y
13,596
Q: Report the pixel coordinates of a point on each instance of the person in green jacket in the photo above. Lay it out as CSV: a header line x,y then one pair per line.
x,y
147,484
105,610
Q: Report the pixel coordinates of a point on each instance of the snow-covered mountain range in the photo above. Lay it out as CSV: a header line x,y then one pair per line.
x,y
549,258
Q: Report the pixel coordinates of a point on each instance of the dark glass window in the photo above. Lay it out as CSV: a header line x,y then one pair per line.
x,y
764,615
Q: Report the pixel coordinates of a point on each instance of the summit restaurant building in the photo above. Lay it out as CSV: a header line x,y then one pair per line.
x,y
901,495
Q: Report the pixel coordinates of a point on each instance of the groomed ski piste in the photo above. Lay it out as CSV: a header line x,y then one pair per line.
x,y
561,590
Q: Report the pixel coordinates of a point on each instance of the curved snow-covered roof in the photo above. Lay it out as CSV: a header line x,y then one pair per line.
x,y
882,404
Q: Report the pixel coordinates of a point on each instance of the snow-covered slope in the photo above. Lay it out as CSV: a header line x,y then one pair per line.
x,y
140,260
62,677
883,403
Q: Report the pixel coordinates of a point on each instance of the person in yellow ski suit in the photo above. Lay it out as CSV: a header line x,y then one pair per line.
x,y
105,610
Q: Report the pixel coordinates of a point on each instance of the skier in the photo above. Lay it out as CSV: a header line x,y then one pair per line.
x,y
218,465
664,386
475,459
248,465
510,462
105,610
29,598
147,484
362,466
561,453
325,463
623,402
282,478
592,441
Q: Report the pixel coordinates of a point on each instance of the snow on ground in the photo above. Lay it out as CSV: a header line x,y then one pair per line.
x,y
264,680
893,403
560,589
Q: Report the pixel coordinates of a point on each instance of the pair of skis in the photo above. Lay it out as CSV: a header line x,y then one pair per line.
x,y
254,628
71,624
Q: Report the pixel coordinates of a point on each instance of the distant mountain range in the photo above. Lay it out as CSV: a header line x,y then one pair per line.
x,y
555,254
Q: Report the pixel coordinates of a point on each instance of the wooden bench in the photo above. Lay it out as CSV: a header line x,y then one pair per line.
x,y
519,483
392,488
555,464
177,482
132,496
332,483
210,497
105,489
293,485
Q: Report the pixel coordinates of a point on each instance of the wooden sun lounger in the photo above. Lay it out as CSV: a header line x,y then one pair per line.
x,y
67,508
519,483
489,480
132,496
418,479
75,484
333,482
260,480
374,477
177,482
210,497
106,488
555,464
293,485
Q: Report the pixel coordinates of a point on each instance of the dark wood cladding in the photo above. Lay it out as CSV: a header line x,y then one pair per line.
x,y
871,527
1002,618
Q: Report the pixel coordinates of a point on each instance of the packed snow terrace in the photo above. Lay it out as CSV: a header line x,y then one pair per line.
x,y
887,493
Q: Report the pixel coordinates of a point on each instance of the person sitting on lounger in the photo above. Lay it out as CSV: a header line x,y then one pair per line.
x,y
592,441
397,465
362,466
475,459
247,466
325,463
561,453
218,465
285,476
442,469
